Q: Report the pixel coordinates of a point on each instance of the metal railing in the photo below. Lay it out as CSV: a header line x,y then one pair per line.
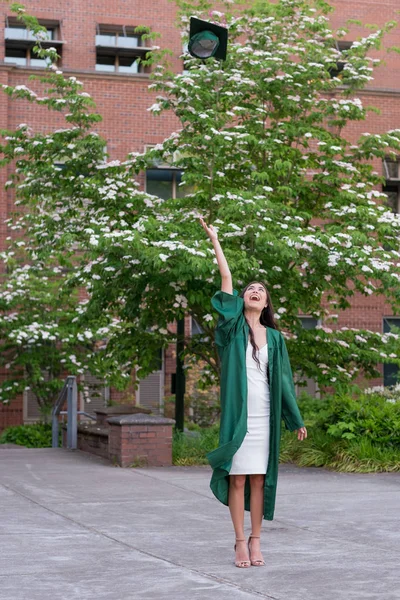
x,y
69,393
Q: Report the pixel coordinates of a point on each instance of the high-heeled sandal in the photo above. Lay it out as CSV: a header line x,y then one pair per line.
x,y
259,562
242,564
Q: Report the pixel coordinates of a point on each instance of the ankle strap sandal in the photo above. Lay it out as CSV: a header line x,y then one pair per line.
x,y
241,564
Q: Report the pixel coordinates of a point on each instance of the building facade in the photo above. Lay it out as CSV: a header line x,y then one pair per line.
x,y
100,48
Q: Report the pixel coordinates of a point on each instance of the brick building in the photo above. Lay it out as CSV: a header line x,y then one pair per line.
x,y
100,49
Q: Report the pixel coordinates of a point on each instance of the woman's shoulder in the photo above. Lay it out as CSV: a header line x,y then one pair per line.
x,y
227,305
274,333
275,336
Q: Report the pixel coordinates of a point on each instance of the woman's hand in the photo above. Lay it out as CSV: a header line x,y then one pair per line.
x,y
210,231
301,433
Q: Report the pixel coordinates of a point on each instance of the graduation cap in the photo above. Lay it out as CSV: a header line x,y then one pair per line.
x,y
207,39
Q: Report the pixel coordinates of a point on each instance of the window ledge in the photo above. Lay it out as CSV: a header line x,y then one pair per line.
x,y
91,73
23,43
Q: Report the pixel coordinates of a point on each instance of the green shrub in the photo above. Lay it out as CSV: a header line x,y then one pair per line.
x,y
192,450
313,408
359,433
37,435
370,416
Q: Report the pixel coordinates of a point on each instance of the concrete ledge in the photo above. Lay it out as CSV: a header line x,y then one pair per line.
x,y
140,419
93,430
103,414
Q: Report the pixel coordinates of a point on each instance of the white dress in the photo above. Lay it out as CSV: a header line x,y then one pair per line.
x,y
252,456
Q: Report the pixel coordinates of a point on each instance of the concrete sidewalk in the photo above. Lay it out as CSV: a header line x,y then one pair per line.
x,y
72,527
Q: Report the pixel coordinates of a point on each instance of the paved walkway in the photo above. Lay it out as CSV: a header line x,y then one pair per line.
x,y
72,527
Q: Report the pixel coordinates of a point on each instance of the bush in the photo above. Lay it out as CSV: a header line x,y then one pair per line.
x,y
370,416
192,449
313,408
37,435
359,433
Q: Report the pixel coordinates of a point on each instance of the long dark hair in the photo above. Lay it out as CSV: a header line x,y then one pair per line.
x,y
266,319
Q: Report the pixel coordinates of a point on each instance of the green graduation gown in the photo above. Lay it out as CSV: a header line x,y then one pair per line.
x,y
231,338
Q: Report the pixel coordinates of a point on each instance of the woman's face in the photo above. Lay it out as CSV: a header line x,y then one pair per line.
x,y
255,296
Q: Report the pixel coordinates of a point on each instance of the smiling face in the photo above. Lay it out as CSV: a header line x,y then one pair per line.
x,y
255,296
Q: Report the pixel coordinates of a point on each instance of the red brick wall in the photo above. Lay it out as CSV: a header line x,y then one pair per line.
x,y
375,13
89,442
11,414
140,445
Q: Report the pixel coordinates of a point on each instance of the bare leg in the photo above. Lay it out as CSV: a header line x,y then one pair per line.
x,y
256,514
236,507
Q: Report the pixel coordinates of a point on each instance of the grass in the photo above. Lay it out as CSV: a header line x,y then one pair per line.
x,y
316,451
350,456
364,457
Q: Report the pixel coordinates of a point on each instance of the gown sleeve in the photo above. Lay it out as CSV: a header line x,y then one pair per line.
x,y
230,310
290,411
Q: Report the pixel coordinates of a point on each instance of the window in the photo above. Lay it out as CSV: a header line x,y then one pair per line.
x,y
165,180
123,38
390,371
309,322
310,387
16,31
341,46
150,392
391,187
185,52
95,394
393,197
31,408
26,58
196,328
119,50
15,56
164,183
117,64
19,43
391,169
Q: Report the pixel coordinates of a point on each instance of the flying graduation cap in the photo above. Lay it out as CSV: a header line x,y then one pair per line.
x,y
207,40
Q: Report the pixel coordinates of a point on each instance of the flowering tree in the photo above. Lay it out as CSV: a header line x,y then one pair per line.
x,y
264,152
41,338
263,147
45,327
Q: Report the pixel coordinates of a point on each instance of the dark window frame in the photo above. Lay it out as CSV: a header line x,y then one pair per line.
x,y
313,321
391,187
307,322
341,46
115,60
195,327
176,178
390,370
29,57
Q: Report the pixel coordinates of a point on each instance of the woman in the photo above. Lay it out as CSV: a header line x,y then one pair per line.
x,y
257,391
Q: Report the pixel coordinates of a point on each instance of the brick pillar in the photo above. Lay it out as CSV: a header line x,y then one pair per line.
x,y
140,440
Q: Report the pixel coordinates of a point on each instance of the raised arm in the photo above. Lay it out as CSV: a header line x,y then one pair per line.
x,y
226,277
